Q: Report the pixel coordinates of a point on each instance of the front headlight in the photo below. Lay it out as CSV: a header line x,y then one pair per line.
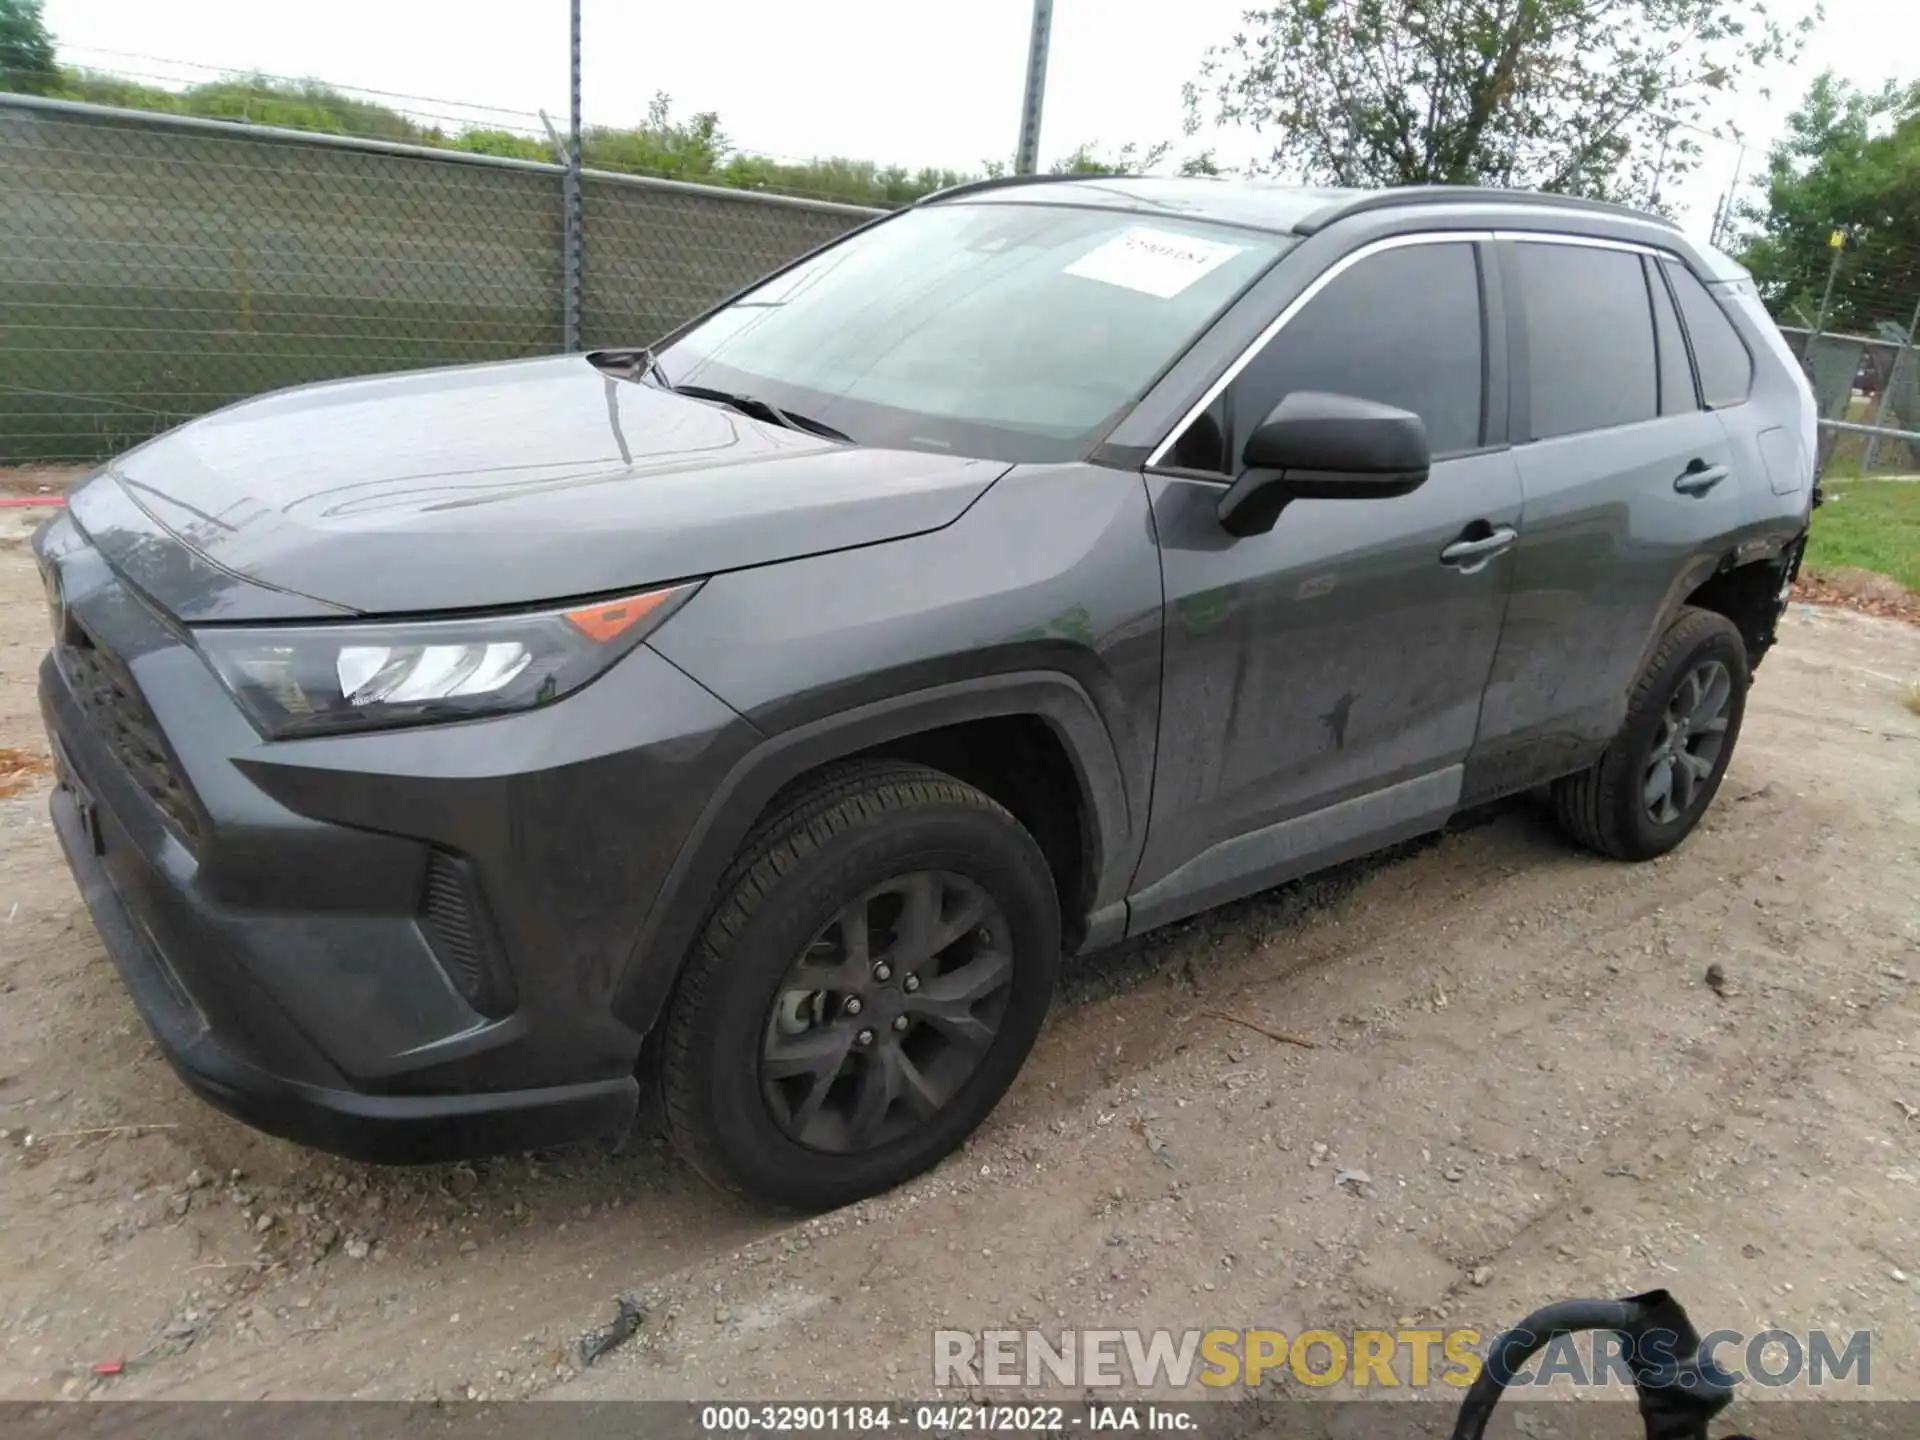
x,y
320,679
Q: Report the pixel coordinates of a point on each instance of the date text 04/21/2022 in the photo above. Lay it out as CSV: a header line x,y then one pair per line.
x,y
942,1419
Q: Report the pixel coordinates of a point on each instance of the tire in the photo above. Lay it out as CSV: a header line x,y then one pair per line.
x,y
1609,807
913,853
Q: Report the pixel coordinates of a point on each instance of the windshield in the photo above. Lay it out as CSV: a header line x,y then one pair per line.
x,y
1011,332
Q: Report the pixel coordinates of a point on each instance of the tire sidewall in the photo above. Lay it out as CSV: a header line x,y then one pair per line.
x,y
1644,835
983,846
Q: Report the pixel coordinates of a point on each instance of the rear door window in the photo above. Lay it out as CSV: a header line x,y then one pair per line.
x,y
1591,360
1677,395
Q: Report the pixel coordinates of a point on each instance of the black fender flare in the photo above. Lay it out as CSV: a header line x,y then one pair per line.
x,y
1778,549
1701,567
686,896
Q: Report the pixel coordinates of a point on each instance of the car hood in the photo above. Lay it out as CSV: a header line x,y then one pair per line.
x,y
489,485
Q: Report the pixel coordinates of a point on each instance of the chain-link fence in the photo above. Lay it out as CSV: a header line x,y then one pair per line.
x,y
1857,341
155,267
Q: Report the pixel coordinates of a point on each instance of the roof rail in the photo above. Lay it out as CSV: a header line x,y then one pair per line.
x,y
1465,195
999,182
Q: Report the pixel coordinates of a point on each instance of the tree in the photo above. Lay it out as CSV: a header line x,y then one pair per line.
x,y
1850,161
26,49
1129,159
690,149
1588,97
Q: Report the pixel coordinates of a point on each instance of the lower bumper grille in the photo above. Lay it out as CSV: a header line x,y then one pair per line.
x,y
458,927
113,707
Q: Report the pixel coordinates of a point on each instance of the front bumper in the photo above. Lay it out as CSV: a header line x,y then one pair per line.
x,y
275,909
393,1129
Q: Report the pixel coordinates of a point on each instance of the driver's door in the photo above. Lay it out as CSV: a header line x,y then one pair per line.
x,y
1322,682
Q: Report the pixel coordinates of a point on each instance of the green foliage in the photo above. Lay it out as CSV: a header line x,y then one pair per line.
x,y
501,142
663,145
255,100
26,49
695,149
1574,96
302,105
1850,162
856,182
1129,159
1869,525
691,149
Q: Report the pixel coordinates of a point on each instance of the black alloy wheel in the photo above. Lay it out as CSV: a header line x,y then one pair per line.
x,y
887,1013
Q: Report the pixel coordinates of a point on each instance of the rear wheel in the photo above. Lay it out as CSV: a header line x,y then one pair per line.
x,y
1654,782
870,983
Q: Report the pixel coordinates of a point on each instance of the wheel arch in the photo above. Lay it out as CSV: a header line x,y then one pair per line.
x,y
1746,584
1753,595
906,726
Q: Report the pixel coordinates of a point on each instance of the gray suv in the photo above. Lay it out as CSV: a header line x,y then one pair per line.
x,y
761,715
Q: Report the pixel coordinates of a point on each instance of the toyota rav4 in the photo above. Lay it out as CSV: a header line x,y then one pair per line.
x,y
761,715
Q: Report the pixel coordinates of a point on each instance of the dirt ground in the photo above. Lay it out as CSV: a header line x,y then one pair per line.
x,y
1520,1087
39,479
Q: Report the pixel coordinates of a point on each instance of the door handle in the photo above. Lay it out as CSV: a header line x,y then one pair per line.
x,y
1470,555
1700,477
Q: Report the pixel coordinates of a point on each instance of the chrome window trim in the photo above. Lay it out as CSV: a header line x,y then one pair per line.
x,y
1589,242
1294,307
1345,263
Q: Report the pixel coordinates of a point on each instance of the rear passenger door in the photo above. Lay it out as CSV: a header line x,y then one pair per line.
x,y
1766,453
1628,484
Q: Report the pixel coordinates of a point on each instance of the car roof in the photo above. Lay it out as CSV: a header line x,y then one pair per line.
x,y
1250,204
1268,205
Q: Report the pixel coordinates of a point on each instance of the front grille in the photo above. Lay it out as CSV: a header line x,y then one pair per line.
x,y
113,707
456,924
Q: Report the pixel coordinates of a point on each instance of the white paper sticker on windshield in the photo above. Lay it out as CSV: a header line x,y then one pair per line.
x,y
1154,262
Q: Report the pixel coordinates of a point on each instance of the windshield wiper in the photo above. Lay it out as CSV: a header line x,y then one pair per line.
x,y
764,410
638,363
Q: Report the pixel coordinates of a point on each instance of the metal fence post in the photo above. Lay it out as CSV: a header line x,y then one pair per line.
x,y
1886,393
1838,244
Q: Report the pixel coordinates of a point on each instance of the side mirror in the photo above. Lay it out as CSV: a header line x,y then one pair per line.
x,y
1316,446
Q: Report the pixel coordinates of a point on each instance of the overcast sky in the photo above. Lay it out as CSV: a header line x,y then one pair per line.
x,y
918,82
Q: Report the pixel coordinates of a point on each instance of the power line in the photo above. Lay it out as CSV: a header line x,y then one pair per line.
x,y
233,72
463,122
532,130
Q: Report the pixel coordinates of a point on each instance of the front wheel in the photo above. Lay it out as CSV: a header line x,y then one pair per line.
x,y
875,973
1653,783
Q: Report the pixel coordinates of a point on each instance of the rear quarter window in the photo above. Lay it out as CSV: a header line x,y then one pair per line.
x,y
1719,354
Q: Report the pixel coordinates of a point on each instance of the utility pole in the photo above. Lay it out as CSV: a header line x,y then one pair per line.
x,y
1027,155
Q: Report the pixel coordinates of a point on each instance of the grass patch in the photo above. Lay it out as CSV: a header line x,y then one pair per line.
x,y
1868,525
